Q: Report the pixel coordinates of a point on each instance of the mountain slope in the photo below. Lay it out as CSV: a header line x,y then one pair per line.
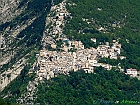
x,y
113,19
21,37
20,40
28,26
80,88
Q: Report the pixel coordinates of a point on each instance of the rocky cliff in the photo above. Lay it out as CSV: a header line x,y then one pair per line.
x,y
21,27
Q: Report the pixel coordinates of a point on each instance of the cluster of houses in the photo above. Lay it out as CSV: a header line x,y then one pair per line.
x,y
133,72
52,63
107,51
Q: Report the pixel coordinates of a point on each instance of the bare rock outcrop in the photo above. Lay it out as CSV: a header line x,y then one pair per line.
x,y
9,9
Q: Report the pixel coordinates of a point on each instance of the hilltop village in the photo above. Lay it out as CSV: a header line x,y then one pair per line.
x,y
73,55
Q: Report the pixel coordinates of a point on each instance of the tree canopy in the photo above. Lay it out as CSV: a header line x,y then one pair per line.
x,y
80,88
120,19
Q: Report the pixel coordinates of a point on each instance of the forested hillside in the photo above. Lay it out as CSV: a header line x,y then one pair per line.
x,y
2,102
118,20
80,88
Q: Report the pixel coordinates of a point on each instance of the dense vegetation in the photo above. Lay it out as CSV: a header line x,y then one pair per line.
x,y
121,19
2,102
80,88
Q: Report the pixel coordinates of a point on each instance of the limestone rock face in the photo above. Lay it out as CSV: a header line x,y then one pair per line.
x,y
9,9
22,23
11,25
